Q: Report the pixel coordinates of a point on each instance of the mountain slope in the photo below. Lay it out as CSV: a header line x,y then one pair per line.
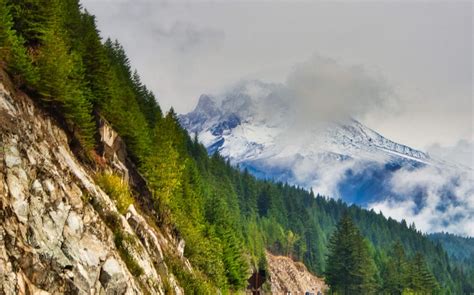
x,y
256,126
54,234
253,127
460,249
252,115
461,253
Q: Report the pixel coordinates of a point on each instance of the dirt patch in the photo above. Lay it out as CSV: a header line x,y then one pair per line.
x,y
7,122
287,275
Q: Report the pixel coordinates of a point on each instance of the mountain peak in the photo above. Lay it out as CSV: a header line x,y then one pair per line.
x,y
253,125
206,104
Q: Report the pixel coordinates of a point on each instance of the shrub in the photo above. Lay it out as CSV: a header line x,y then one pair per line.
x,y
117,189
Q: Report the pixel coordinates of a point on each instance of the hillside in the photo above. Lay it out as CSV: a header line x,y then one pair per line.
x,y
460,249
103,193
59,229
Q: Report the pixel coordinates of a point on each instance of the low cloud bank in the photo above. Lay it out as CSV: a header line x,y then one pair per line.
x,y
434,199
461,153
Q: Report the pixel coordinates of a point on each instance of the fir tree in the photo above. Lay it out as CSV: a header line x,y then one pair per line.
x,y
395,273
349,266
12,50
422,280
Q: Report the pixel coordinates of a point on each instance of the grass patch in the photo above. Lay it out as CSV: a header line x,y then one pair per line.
x,y
121,239
117,189
192,283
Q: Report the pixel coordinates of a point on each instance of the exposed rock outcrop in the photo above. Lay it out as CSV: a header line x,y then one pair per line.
x,y
53,237
287,275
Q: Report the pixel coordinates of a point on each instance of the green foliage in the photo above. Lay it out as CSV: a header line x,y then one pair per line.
x,y
407,276
460,249
57,73
291,239
60,80
12,51
121,103
396,271
164,167
421,279
31,19
256,244
123,241
114,186
350,269
192,283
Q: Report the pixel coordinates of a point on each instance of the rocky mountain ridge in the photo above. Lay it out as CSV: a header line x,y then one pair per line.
x,y
59,230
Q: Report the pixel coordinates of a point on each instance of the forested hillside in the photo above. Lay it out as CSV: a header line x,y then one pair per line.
x,y
460,251
53,51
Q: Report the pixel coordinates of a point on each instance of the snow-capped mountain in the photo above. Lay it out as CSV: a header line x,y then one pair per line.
x,y
257,127
254,126
245,123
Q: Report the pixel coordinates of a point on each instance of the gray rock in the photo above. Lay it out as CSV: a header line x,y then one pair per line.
x,y
112,277
12,156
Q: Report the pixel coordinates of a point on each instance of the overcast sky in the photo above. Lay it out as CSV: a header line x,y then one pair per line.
x,y
421,51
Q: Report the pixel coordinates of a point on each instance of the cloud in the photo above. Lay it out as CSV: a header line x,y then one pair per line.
x,y
323,89
315,92
187,37
264,40
434,199
460,153
322,176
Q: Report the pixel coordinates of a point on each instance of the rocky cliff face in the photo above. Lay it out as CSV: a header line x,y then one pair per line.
x,y
288,276
59,231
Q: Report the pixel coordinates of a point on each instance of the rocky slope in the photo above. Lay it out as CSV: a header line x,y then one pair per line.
x,y
287,275
58,229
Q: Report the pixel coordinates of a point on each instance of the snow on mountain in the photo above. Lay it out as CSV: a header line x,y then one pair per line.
x,y
256,126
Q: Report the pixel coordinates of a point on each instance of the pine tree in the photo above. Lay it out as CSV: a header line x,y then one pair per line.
x,y
350,268
94,58
12,51
291,239
61,79
163,170
395,272
53,50
422,280
31,18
